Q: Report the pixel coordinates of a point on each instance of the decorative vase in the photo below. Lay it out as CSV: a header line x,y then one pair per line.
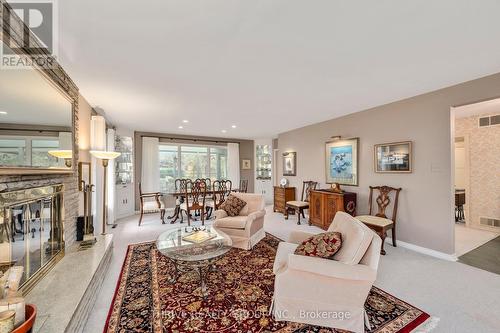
x,y
7,319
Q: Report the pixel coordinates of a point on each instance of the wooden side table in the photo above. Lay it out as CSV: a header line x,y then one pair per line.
x,y
281,196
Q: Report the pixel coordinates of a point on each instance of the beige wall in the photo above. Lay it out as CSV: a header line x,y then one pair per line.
x,y
484,168
425,216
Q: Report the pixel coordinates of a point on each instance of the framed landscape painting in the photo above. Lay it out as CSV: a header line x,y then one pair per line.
x,y
393,157
342,162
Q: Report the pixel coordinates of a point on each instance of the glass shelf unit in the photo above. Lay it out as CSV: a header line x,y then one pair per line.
x,y
124,162
264,161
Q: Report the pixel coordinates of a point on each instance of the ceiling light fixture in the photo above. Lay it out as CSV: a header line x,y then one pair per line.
x,y
223,131
185,121
233,126
3,112
181,127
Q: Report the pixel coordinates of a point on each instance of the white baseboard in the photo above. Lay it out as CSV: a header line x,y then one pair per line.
x,y
424,250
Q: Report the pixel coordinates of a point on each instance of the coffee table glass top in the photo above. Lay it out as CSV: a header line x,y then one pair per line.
x,y
171,244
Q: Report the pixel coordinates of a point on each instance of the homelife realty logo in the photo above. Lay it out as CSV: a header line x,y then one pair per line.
x,y
40,16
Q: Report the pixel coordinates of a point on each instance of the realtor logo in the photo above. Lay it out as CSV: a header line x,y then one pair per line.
x,y
41,17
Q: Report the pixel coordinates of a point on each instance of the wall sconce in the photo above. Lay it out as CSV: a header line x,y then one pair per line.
x,y
105,156
67,155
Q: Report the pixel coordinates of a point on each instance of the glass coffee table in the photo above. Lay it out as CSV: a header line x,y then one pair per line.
x,y
188,256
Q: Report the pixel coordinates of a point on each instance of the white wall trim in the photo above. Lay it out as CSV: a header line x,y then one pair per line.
x,y
423,250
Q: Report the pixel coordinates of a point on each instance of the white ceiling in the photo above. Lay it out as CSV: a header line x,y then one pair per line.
x,y
268,66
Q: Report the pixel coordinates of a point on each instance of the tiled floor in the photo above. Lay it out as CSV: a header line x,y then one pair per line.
x,y
467,239
463,297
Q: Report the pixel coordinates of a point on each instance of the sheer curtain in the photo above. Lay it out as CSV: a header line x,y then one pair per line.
x,y
233,163
150,175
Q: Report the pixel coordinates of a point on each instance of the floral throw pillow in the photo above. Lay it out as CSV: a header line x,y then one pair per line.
x,y
233,205
323,245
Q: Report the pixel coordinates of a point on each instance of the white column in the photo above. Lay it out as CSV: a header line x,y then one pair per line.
x,y
111,192
97,142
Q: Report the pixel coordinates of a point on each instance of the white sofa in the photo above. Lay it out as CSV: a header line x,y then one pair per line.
x,y
247,229
319,291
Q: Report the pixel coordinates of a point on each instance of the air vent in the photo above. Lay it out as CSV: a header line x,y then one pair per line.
x,y
489,221
489,121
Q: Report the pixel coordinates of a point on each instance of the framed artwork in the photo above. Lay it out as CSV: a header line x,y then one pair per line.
x,y
246,164
84,175
341,161
290,164
393,157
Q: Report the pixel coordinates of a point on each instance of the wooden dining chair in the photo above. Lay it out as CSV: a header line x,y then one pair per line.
x,y
151,202
180,187
379,222
299,206
195,195
243,186
220,191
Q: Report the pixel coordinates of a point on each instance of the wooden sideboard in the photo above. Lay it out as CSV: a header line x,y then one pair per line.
x,y
281,196
324,204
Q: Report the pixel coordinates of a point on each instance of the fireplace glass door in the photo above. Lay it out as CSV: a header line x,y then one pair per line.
x,y
31,234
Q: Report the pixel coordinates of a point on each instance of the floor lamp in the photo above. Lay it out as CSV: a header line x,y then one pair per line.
x,y
105,156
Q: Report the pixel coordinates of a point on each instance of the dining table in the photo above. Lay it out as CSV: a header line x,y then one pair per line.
x,y
181,195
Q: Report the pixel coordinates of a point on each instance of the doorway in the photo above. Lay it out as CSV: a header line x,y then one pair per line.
x,y
475,163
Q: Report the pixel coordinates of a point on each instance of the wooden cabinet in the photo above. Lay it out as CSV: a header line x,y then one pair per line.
x,y
324,204
281,196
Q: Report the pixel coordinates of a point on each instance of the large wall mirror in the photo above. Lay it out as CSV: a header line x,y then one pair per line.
x,y
36,118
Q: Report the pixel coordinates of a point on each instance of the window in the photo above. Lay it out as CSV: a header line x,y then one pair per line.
x,y
40,152
29,151
194,162
12,152
169,167
187,161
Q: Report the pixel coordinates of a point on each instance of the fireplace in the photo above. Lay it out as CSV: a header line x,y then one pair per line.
x,y
31,231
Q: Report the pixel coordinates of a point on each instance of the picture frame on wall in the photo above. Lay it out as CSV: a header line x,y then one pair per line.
x,y
290,164
341,161
246,164
394,157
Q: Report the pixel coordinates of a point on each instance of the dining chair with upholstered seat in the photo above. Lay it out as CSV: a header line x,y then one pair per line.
x,y
151,202
243,186
180,188
379,221
195,196
299,206
221,190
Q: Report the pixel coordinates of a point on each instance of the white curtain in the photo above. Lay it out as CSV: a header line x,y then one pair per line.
x,y
233,163
150,175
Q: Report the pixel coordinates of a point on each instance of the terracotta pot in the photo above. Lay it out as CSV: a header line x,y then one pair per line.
x,y
27,326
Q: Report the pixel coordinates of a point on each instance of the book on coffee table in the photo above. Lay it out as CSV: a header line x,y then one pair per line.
x,y
199,237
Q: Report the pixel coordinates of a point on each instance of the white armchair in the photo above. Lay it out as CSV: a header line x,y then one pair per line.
x,y
332,293
247,229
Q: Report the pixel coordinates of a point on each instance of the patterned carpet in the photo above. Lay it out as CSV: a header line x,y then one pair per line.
x,y
240,293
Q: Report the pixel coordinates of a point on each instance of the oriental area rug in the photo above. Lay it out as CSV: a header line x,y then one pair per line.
x,y
240,293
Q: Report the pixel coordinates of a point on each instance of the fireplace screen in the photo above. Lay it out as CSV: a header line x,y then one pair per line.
x,y
31,233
